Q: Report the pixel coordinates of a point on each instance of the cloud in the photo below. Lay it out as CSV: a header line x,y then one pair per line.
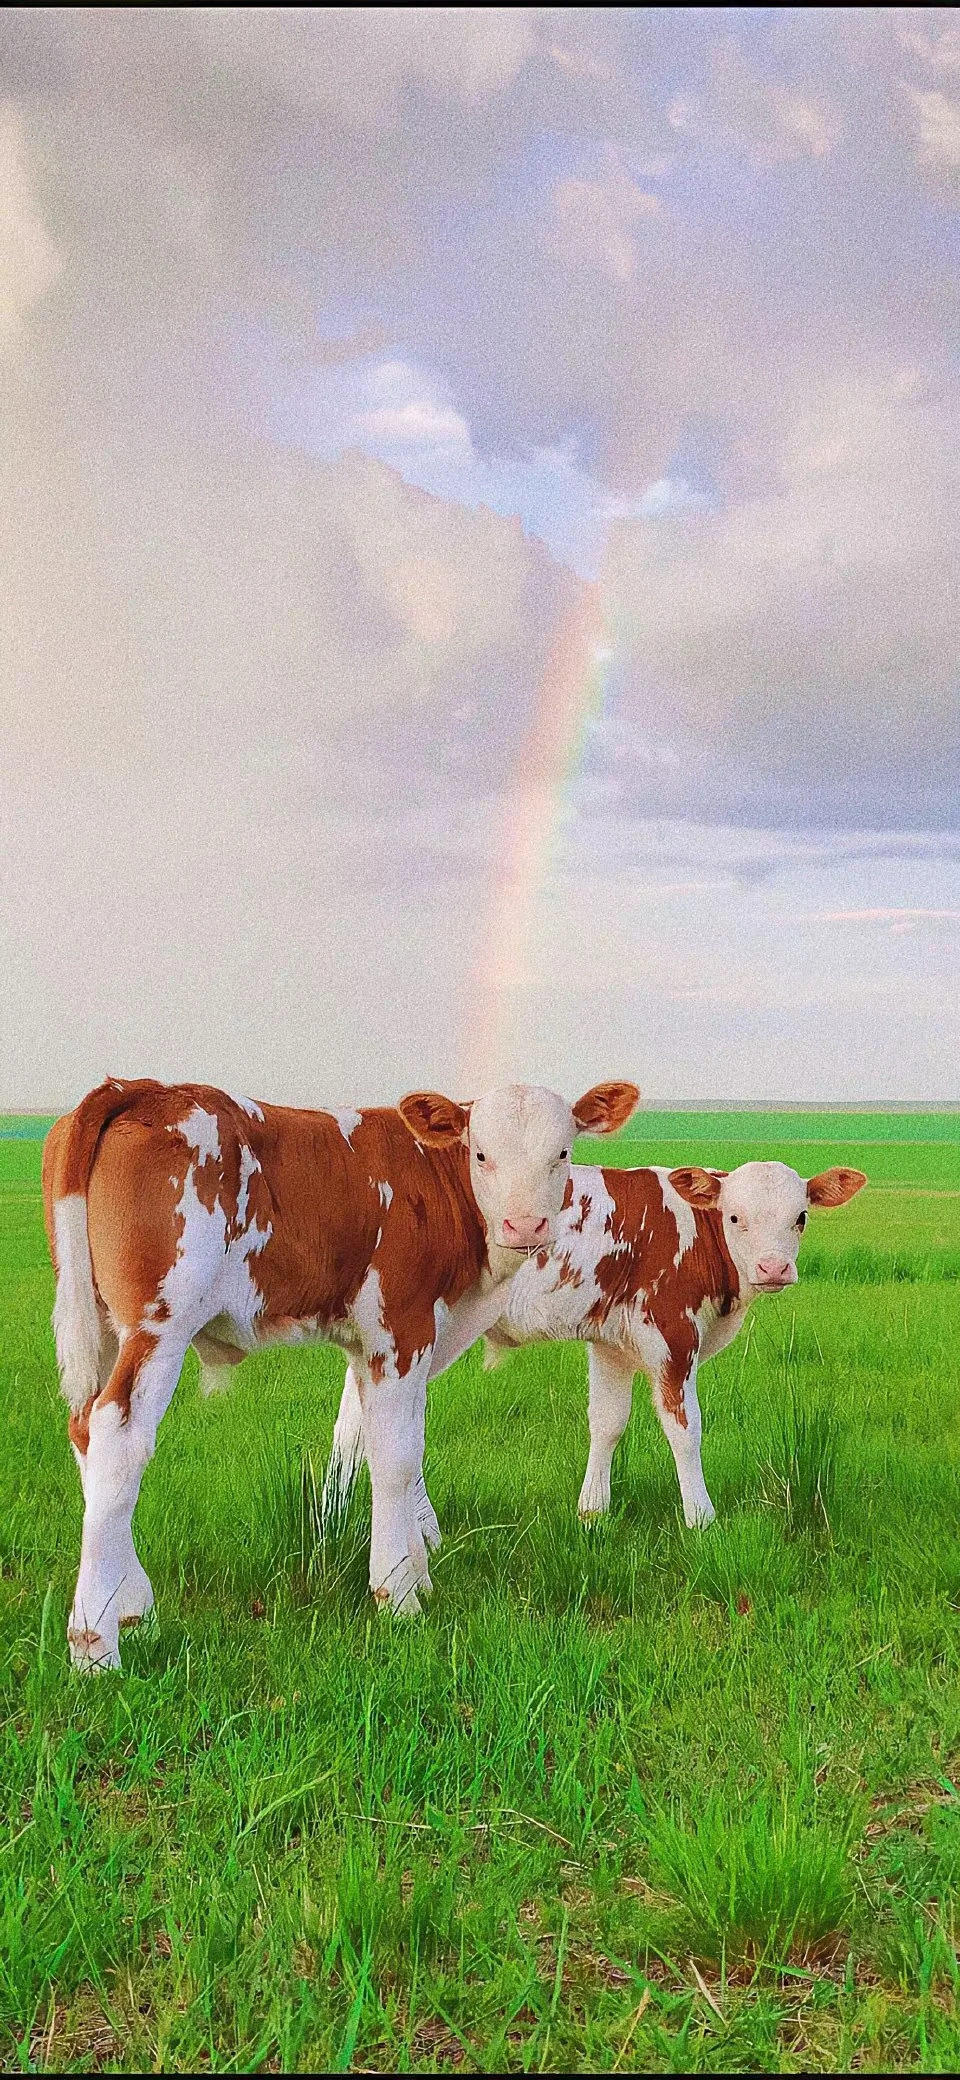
x,y
799,650
357,60
597,222
897,920
712,990
771,122
405,416
235,795
29,261
938,124
931,34
668,495
337,347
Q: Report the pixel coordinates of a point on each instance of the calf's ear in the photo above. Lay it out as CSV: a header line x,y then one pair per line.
x,y
698,1187
606,1108
834,1187
435,1121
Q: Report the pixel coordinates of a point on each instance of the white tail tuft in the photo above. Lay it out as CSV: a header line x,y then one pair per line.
x,y
346,1454
76,1321
215,1379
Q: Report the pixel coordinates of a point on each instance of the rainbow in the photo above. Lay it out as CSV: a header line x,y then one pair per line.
x,y
539,803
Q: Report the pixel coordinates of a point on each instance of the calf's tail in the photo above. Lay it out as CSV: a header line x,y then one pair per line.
x,y
68,1158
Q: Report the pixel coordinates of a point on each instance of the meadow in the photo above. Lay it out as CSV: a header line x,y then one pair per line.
x,y
630,1799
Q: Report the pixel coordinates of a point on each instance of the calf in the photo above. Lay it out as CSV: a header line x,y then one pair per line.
x,y
179,1214
656,1270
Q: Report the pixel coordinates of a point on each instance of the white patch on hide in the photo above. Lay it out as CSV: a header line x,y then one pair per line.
x,y
683,1214
201,1132
247,1105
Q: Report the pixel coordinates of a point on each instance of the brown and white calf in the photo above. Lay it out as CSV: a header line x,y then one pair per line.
x,y
178,1215
655,1269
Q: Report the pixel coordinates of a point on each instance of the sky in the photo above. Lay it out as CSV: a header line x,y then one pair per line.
x,y
479,551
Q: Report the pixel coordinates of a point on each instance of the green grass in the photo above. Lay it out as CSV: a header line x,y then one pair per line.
x,y
626,1799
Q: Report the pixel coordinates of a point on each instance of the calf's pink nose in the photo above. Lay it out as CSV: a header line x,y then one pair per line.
x,y
525,1231
773,1270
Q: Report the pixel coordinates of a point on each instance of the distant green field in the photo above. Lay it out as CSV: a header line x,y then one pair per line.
x,y
627,1800
902,1148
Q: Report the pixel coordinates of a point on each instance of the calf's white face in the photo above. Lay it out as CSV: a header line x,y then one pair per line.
x,y
520,1140
764,1210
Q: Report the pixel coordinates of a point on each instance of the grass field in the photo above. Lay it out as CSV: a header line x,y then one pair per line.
x,y
633,1799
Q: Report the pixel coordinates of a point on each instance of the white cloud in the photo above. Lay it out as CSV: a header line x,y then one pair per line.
x,y
668,495
29,261
597,222
799,649
703,988
287,691
420,421
771,121
357,59
937,46
897,920
231,832
938,123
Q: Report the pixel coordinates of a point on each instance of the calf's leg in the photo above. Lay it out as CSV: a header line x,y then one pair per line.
x,y
676,1403
135,1597
120,1436
347,1456
611,1398
394,1410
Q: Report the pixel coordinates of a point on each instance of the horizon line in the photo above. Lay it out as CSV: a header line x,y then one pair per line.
x,y
651,1106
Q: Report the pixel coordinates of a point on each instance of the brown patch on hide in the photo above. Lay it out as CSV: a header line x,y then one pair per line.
x,y
307,1190
78,1427
639,1264
134,1354
674,1375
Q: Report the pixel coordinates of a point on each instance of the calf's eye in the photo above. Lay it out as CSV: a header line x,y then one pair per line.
x,y
480,1158
734,1217
802,1221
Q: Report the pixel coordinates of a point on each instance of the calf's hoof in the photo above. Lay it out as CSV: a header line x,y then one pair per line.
x,y
144,1622
405,1605
90,1652
135,1601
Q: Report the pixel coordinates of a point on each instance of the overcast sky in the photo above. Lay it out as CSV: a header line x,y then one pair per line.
x,y
352,365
